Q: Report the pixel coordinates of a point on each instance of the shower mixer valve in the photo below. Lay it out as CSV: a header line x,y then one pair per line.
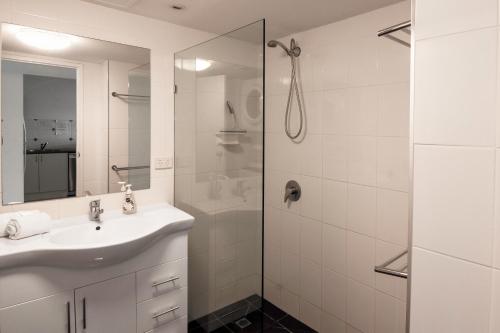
x,y
292,191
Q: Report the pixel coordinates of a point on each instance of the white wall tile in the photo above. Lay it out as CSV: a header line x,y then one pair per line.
x,y
335,157
335,203
394,114
450,109
362,209
272,227
393,163
312,156
310,315
435,18
453,196
449,295
390,314
311,197
310,281
335,111
361,307
272,264
332,324
335,249
334,294
496,237
290,232
310,239
290,272
495,302
392,216
370,100
363,111
361,258
362,160
290,303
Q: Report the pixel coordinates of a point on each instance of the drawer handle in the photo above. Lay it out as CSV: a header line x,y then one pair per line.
x,y
172,279
159,314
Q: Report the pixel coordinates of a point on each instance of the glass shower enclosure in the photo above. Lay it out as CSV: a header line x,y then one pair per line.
x,y
219,146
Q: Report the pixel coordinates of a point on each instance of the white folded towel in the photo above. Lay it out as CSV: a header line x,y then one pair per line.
x,y
4,219
28,224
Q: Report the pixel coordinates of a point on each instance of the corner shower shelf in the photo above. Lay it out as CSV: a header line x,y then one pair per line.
x,y
229,137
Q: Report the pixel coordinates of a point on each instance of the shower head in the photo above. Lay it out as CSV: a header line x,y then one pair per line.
x,y
293,51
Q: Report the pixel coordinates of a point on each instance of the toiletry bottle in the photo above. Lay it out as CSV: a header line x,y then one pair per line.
x,y
129,205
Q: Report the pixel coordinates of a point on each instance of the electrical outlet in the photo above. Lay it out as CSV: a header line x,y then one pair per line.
x,y
163,163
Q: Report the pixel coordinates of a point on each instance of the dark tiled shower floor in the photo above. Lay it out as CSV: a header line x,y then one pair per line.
x,y
266,318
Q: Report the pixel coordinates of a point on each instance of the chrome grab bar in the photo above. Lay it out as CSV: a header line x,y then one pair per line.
x,y
384,269
116,169
115,94
159,314
159,283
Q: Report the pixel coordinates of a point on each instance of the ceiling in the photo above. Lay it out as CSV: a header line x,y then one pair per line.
x,y
283,17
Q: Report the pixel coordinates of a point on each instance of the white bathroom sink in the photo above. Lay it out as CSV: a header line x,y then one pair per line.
x,y
77,242
92,234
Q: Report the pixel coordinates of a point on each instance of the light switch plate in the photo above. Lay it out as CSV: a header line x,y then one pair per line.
x,y
163,163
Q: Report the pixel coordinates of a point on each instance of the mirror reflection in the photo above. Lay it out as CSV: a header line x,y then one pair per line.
x,y
75,115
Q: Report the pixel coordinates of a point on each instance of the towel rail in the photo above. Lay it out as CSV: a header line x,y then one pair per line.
x,y
116,169
115,94
384,269
404,27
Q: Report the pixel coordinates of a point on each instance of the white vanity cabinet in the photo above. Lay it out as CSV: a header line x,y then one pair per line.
x,y
109,306
53,314
145,294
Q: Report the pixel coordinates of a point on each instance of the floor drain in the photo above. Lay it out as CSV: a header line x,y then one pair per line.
x,y
243,323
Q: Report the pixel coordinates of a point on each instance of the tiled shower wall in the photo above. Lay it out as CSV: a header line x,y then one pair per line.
x,y
353,169
456,224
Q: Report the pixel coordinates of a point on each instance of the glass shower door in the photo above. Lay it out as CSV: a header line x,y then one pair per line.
x,y
219,136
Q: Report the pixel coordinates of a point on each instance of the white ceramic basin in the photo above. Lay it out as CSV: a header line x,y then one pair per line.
x,y
91,234
89,244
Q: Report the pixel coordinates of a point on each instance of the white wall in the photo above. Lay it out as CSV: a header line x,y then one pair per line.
x,y
320,252
455,283
73,16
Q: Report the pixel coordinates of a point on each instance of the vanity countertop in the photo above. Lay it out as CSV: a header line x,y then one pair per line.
x,y
78,242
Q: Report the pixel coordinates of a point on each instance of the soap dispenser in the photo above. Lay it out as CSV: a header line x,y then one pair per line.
x,y
129,205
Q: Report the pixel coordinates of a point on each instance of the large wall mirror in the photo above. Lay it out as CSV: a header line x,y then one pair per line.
x,y
75,115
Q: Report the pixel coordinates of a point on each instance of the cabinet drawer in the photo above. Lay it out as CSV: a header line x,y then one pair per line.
x,y
161,279
160,311
177,326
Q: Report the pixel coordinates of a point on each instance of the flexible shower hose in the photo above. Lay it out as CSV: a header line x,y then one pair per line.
x,y
293,88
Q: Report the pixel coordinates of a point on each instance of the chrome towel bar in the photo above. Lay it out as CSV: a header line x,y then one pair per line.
x,y
115,94
404,27
384,268
116,169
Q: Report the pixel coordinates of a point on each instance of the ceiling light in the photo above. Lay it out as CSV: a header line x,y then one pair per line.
x,y
202,64
45,40
188,64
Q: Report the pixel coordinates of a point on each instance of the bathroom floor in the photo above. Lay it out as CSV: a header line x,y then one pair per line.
x,y
250,315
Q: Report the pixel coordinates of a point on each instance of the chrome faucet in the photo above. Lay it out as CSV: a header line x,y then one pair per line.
x,y
95,210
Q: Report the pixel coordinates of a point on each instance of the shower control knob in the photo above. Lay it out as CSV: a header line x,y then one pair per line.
x,y
292,191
